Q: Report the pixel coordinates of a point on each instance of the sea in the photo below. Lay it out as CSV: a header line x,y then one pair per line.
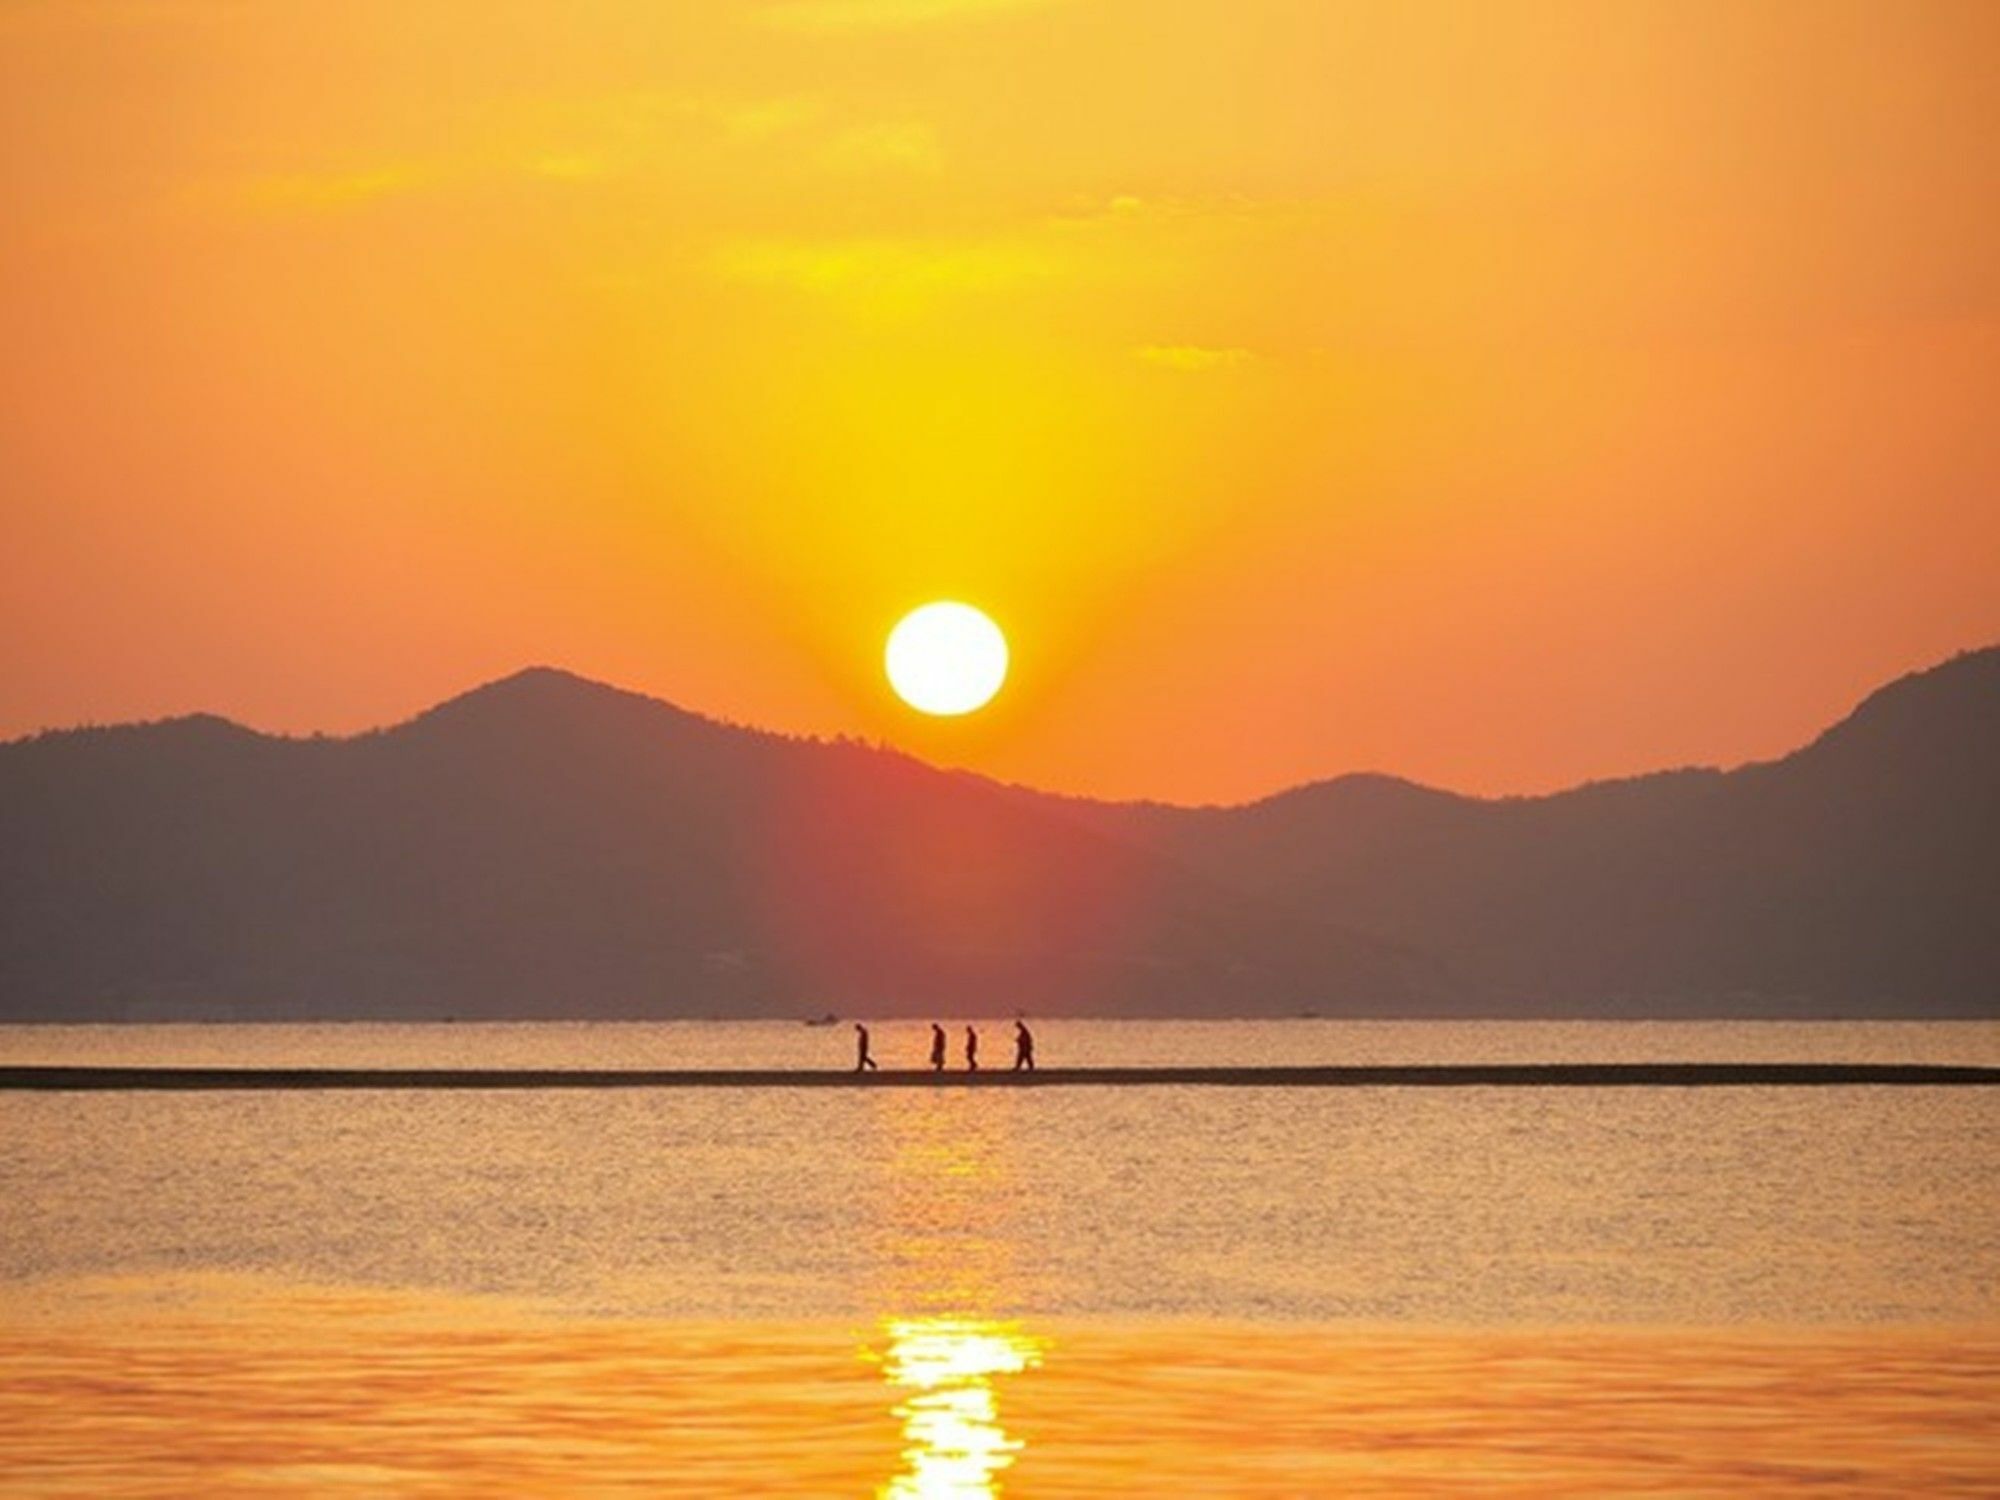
x,y
1156,1290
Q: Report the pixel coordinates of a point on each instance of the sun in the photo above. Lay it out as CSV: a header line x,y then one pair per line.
x,y
946,659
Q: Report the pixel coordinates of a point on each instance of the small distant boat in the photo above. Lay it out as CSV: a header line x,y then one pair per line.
x,y
829,1019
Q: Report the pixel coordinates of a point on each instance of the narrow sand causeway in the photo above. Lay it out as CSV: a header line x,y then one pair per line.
x,y
1450,1075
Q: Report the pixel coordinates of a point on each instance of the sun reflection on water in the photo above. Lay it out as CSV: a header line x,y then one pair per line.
x,y
954,1441
950,1290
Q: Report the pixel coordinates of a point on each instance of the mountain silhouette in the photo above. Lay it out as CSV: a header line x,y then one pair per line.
x,y
546,846
1857,876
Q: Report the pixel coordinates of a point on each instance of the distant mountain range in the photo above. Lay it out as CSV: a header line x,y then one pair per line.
x,y
546,846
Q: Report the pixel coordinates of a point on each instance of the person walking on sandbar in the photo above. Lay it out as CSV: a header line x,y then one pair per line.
x,y
937,1048
862,1061
1024,1048
971,1050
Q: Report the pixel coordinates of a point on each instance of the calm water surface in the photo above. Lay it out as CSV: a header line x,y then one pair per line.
x,y
1243,1291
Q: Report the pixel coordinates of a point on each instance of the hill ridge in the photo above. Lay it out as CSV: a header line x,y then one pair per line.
x,y
549,846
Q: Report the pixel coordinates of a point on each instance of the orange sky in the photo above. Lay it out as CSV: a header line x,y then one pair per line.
x,y
1500,394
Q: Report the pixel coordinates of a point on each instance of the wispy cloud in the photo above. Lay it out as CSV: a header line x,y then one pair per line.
x,y
580,141
575,166
756,119
1192,358
637,121
904,146
887,270
875,15
325,191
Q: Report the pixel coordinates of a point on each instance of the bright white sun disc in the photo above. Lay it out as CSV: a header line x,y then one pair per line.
x,y
946,658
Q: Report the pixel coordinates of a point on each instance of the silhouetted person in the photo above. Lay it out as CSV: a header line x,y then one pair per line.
x,y
937,1048
1024,1047
861,1057
971,1050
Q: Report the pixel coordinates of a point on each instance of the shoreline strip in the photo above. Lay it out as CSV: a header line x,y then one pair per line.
x,y
68,1079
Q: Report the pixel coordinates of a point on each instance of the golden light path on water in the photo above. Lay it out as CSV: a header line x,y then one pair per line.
x,y
949,1261
951,1419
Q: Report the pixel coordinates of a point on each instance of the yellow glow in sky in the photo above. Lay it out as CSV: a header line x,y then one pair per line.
x,y
1500,394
